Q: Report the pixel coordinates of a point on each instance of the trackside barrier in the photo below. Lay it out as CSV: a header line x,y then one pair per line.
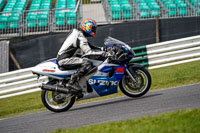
x,y
152,56
19,82
167,52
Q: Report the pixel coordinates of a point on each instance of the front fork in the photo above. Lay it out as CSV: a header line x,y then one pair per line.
x,y
133,78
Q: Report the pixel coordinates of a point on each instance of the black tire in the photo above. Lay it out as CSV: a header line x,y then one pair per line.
x,y
56,108
129,89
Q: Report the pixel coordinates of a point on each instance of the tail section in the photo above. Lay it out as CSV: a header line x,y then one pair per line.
x,y
50,68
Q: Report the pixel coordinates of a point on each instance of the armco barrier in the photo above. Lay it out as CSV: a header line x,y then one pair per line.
x,y
19,82
152,56
168,52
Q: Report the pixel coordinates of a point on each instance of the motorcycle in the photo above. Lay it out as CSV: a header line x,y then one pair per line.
x,y
109,72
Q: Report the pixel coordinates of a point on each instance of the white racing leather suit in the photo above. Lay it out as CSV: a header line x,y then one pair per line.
x,y
75,40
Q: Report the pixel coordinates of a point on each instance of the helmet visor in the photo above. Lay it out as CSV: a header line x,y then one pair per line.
x,y
93,29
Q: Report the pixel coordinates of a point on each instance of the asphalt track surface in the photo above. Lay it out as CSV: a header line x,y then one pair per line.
x,y
114,109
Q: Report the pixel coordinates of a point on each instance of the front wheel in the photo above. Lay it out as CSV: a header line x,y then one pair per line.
x,y
136,88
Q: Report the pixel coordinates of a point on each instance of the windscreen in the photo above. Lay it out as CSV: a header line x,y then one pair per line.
x,y
110,40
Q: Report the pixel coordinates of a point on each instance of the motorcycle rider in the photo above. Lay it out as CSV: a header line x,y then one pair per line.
x,y
77,40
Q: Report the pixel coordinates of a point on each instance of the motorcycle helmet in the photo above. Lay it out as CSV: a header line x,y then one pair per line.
x,y
89,27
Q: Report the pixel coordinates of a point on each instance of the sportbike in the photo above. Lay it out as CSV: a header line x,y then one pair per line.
x,y
109,72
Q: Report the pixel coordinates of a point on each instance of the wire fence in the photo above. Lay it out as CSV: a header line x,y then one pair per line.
x,y
149,9
39,21
64,18
36,22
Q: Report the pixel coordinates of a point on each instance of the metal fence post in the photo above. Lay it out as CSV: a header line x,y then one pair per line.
x,y
81,11
21,24
157,30
50,21
4,56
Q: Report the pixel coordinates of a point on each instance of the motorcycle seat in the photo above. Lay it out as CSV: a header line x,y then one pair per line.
x,y
69,67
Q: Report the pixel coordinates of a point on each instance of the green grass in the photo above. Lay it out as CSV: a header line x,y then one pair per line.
x,y
185,121
20,105
172,76
178,75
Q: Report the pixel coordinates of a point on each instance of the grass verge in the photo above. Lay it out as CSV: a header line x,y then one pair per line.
x,y
184,121
167,77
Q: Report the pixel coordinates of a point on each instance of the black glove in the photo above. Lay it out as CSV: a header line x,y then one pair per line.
x,y
106,54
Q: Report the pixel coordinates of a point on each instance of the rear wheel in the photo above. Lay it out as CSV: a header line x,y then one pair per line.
x,y
138,88
57,102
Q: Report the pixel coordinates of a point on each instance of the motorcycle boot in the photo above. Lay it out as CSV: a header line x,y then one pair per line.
x,y
73,83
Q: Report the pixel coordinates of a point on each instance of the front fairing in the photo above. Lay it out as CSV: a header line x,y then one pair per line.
x,y
121,53
110,42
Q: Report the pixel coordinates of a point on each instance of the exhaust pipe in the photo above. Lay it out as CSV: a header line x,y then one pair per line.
x,y
54,88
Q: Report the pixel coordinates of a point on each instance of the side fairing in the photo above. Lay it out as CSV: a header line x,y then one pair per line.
x,y
106,80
